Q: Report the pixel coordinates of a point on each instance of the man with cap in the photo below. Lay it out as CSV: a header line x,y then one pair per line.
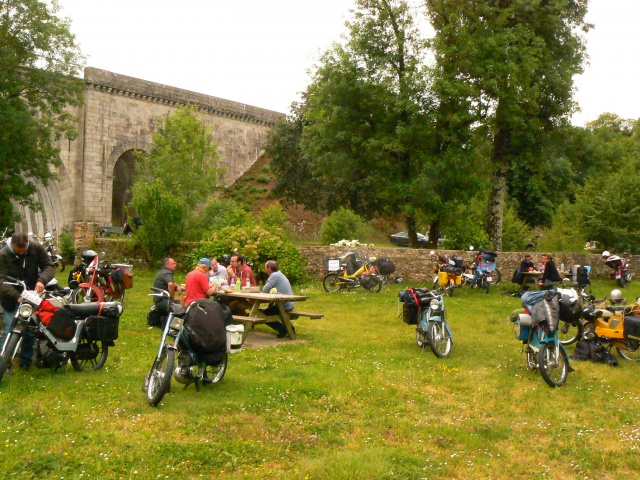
x,y
197,282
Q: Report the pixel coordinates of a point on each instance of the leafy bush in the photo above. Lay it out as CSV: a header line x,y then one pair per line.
x,y
257,245
263,178
274,217
342,224
217,214
515,233
67,245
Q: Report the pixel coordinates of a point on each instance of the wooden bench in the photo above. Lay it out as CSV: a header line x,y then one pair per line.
x,y
248,322
313,316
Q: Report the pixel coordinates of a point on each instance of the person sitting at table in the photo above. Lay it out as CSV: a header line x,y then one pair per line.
x,y
550,276
219,272
526,265
281,284
164,281
197,283
238,269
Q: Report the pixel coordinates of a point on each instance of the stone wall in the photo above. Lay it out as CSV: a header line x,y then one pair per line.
x,y
412,265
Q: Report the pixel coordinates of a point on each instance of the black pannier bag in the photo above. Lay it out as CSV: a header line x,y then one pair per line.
x,y
103,329
368,281
385,265
62,324
631,327
459,261
582,277
206,331
413,299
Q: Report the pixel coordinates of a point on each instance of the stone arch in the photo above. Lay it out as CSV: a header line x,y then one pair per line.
x,y
123,177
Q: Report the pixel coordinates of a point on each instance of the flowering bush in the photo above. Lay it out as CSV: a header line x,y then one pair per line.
x,y
351,243
257,245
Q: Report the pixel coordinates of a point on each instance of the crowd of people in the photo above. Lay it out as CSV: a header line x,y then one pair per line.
x,y
211,274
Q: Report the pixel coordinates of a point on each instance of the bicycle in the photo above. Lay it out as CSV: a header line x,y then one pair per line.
x,y
363,274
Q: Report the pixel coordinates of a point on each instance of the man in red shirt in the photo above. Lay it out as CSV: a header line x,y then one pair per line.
x,y
237,269
197,282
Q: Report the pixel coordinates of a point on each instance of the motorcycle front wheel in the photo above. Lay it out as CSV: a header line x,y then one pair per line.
x,y
532,363
331,283
450,288
621,282
439,339
216,373
10,348
485,285
570,332
159,381
553,367
632,353
90,355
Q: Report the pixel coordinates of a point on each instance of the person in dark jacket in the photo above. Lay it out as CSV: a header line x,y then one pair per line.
x,y
29,262
550,276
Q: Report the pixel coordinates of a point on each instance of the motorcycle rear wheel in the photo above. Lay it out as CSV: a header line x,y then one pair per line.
x,y
160,376
439,339
331,283
553,368
216,373
569,333
96,362
11,346
633,353
80,295
384,279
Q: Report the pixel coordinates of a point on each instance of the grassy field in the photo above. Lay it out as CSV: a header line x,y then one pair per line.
x,y
357,399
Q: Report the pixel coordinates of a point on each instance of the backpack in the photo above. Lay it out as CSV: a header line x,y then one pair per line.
x,y
206,331
413,299
517,278
594,351
385,265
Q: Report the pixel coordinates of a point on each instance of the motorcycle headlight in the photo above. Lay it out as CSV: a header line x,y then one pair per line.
x,y
435,304
25,310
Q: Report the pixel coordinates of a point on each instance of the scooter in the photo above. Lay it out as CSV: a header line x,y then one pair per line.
x,y
620,267
448,274
615,326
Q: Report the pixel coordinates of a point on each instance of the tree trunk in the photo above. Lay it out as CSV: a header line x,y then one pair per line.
x,y
434,234
410,221
495,209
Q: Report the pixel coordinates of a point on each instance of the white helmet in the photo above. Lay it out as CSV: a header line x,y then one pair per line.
x,y
615,296
606,254
48,237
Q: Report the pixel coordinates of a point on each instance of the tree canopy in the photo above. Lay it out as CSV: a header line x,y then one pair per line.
x,y
39,61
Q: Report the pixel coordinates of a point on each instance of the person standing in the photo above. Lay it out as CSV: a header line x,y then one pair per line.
x,y
550,275
164,281
197,282
281,284
29,262
238,269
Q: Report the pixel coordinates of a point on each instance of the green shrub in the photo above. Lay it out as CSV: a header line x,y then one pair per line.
x,y
67,245
342,224
266,169
217,214
263,178
257,245
274,217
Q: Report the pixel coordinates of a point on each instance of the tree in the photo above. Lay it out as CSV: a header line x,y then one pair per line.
x,y
39,59
518,58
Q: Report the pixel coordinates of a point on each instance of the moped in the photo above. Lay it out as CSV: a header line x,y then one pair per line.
x,y
433,328
615,326
352,273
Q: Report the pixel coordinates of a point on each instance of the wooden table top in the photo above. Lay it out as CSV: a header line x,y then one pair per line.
x,y
264,297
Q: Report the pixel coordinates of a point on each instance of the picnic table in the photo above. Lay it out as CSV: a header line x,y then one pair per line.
x,y
527,275
252,301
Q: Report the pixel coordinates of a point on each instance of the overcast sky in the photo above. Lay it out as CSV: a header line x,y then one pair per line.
x,y
258,51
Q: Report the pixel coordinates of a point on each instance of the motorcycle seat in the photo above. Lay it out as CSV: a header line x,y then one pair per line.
x,y
84,309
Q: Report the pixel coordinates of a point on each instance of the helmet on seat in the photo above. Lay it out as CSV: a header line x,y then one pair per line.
x,y
606,254
615,296
48,237
88,256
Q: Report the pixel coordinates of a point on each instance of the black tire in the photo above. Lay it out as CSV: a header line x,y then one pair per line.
x,y
375,286
485,284
553,368
384,279
421,338
11,345
439,339
621,282
215,374
96,354
497,277
588,329
632,353
570,333
160,376
331,283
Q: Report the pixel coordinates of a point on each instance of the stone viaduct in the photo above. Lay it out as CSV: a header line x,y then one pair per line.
x,y
119,116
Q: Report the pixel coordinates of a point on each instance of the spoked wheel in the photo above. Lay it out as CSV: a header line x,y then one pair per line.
x,y
439,339
421,337
632,353
81,295
588,329
553,366
331,283
159,381
532,359
375,286
216,373
10,349
384,279
89,355
569,333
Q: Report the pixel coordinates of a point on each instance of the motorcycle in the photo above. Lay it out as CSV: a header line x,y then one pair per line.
x,y
539,335
382,267
100,281
52,251
615,326
620,268
351,272
81,334
448,274
432,327
572,303
192,367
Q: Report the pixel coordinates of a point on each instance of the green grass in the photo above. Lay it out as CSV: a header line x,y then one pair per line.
x,y
357,399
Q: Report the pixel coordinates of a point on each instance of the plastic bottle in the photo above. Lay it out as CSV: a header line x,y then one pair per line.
x,y
248,282
562,267
238,286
